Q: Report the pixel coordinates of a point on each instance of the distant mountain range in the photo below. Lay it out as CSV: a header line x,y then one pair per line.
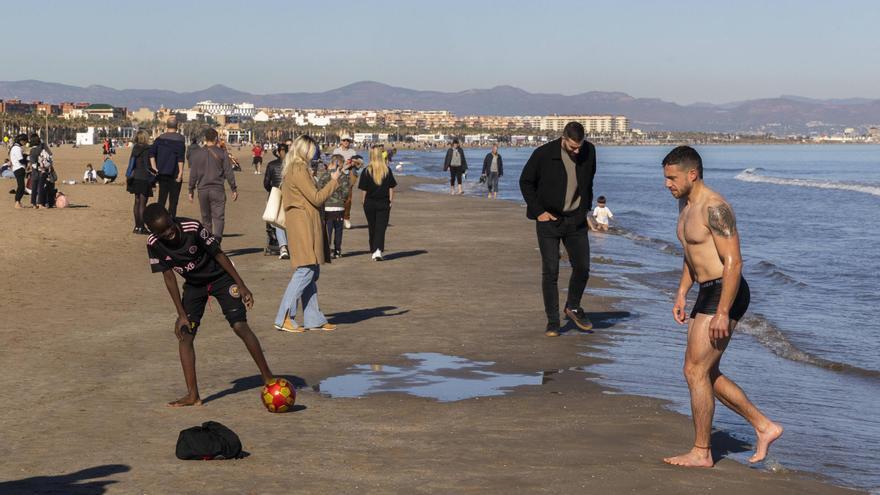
x,y
781,115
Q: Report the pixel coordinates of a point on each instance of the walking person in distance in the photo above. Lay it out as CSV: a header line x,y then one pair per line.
x,y
456,164
167,154
377,182
210,168
140,181
493,170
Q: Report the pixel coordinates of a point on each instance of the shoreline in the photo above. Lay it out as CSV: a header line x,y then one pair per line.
x,y
567,434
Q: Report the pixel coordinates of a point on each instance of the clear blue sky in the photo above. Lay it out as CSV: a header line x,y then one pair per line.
x,y
683,51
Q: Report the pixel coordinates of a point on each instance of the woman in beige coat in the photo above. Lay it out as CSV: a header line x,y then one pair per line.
x,y
302,202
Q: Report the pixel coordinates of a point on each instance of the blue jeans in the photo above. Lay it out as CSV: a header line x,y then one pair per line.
x,y
302,287
281,235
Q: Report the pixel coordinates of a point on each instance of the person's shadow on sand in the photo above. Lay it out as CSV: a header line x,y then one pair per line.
x,y
69,484
252,382
602,320
359,315
242,251
723,444
403,254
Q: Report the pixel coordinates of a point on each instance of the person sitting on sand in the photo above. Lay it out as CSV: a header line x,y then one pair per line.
x,y
186,247
108,171
708,233
91,175
602,214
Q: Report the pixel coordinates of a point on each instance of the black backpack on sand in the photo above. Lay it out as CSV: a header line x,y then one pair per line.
x,y
210,441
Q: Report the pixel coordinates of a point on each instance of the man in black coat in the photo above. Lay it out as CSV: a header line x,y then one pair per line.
x,y
557,185
456,164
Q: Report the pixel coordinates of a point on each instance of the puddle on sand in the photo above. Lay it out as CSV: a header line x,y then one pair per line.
x,y
431,375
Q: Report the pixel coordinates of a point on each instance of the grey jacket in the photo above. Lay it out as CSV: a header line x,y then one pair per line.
x,y
209,167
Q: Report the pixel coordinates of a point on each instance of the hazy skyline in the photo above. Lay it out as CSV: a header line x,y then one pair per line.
x,y
687,52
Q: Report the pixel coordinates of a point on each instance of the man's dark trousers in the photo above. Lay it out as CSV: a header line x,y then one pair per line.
x,y
169,189
572,231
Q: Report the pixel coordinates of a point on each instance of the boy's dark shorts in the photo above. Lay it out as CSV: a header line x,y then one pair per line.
x,y
225,290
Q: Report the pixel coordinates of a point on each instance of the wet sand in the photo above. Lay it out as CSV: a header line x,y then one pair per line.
x,y
89,361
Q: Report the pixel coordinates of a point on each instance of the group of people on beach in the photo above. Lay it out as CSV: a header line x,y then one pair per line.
x,y
31,164
557,186
315,199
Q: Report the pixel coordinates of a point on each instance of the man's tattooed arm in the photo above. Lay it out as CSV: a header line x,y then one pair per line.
x,y
721,220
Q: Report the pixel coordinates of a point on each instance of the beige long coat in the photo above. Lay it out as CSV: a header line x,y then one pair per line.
x,y
302,203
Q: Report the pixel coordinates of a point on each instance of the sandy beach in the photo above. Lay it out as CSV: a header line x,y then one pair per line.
x,y
89,361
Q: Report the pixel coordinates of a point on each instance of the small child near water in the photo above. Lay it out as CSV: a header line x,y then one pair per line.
x,y
602,214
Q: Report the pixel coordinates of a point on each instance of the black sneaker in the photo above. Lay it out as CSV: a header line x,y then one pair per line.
x,y
552,330
579,317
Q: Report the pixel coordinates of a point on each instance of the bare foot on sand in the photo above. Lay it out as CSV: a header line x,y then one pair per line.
x,y
765,438
697,457
186,401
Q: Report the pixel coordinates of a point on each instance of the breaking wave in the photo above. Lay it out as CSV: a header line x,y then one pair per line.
x,y
774,272
753,175
771,337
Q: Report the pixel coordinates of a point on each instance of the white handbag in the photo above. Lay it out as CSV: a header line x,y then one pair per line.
x,y
274,212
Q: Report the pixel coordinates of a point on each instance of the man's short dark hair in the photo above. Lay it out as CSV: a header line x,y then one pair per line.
x,y
601,199
171,122
20,138
34,140
685,157
574,131
211,134
153,212
455,141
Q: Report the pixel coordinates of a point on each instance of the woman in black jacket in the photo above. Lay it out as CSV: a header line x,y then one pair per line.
x,y
272,178
377,182
39,174
141,178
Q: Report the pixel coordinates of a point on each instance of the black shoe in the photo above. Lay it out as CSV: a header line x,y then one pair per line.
x,y
552,330
579,317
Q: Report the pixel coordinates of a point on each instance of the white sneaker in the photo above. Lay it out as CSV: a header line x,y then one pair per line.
x,y
376,255
347,224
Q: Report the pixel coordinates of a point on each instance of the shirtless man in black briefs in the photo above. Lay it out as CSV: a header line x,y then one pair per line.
x,y
707,231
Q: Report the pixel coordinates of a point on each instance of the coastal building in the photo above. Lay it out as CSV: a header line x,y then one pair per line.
x,y
593,124
365,137
261,116
213,108
86,138
142,114
104,111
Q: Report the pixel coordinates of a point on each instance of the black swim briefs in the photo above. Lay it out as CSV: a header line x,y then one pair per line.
x,y
710,294
225,290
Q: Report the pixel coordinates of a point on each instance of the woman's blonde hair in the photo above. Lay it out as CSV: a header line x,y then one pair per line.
x,y
301,152
142,137
377,167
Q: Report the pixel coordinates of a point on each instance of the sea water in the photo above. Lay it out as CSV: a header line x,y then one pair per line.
x,y
808,351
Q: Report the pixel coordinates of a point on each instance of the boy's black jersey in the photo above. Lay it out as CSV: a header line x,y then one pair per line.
x,y
193,259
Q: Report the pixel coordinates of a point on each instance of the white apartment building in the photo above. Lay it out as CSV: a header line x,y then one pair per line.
x,y
214,108
593,124
365,137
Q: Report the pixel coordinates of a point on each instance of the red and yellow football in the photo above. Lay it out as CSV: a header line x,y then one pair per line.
x,y
278,395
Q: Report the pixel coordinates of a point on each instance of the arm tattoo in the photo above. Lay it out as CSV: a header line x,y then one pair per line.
x,y
722,221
